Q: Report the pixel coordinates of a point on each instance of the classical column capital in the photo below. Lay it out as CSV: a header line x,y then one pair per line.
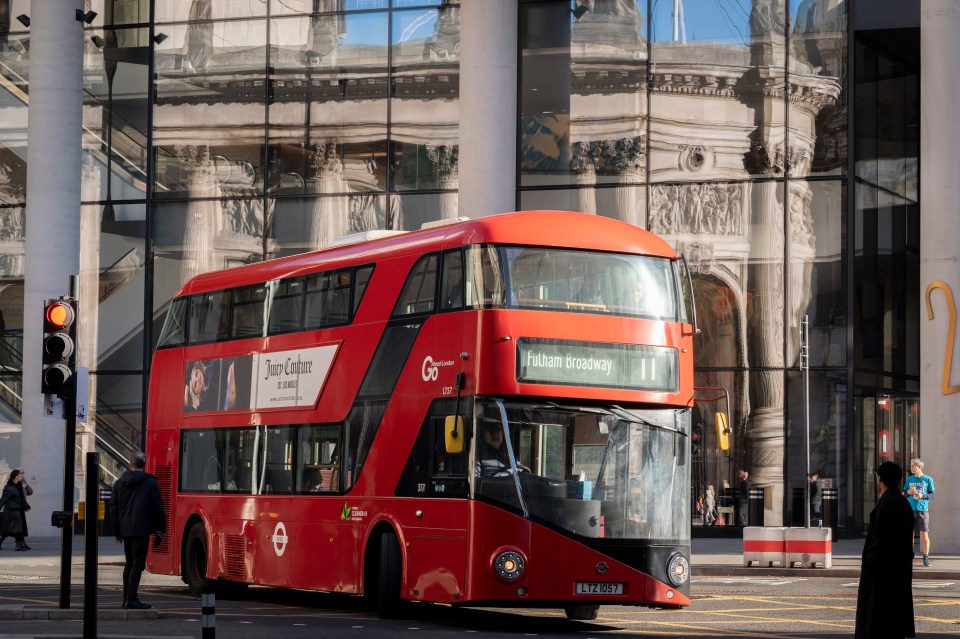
x,y
446,158
765,158
325,160
196,161
626,155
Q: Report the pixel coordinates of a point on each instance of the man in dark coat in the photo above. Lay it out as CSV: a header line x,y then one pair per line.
x,y
885,598
136,512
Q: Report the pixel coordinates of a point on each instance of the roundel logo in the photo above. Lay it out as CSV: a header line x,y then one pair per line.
x,y
429,370
280,538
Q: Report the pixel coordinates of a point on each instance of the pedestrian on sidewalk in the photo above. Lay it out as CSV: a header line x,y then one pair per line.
x,y
919,491
14,506
885,597
816,497
136,512
743,503
710,506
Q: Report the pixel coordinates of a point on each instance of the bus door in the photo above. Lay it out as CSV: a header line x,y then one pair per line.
x,y
435,529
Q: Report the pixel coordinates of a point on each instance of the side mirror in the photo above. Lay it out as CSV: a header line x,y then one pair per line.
x,y
723,431
453,434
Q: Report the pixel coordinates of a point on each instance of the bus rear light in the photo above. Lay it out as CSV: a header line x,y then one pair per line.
x,y
509,565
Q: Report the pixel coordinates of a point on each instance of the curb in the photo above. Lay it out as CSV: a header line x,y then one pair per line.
x,y
838,573
23,613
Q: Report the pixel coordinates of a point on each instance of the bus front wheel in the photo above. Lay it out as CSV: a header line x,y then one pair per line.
x,y
195,559
582,613
388,592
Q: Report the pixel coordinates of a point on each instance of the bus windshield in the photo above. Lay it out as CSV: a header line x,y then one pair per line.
x,y
593,472
589,282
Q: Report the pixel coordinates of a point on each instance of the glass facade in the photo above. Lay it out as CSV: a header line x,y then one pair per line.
x,y
219,133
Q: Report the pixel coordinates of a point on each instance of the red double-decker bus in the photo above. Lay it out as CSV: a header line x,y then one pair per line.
x,y
486,412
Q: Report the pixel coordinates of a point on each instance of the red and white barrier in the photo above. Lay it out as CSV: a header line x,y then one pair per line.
x,y
809,547
764,545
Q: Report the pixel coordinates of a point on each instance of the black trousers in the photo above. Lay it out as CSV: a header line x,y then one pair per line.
x,y
135,552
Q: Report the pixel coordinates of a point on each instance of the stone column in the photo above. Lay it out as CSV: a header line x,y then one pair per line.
x,y
445,158
584,168
765,425
628,157
488,107
330,216
204,216
939,260
89,292
52,230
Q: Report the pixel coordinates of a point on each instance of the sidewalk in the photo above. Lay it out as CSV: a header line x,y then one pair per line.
x,y
724,557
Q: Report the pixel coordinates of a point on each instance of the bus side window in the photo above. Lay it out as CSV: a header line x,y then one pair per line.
x,y
451,287
199,461
319,446
420,289
247,311
174,327
209,317
286,306
491,280
362,278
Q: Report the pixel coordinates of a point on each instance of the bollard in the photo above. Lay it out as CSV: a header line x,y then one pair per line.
x,y
831,513
765,546
208,611
90,552
755,507
808,547
796,510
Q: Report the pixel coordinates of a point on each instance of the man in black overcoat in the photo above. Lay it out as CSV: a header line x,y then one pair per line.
x,y
136,512
885,598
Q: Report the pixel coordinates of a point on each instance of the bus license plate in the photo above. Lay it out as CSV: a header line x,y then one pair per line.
x,y
599,588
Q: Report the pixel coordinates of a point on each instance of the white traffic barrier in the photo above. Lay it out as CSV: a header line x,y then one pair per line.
x,y
764,545
809,547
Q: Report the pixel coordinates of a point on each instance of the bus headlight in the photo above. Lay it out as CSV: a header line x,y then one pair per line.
x,y
678,569
509,565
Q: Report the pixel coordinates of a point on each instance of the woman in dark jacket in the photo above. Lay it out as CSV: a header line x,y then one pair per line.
x,y
14,505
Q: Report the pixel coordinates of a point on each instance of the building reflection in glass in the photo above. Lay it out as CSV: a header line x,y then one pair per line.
x,y
690,126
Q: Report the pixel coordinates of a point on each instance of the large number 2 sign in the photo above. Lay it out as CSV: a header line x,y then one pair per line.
x,y
951,333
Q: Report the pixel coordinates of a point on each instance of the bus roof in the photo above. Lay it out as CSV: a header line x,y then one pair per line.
x,y
529,228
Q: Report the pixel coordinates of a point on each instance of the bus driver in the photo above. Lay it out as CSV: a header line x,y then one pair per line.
x,y
492,459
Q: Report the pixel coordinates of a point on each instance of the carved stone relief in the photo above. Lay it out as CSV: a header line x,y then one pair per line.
x,y
712,209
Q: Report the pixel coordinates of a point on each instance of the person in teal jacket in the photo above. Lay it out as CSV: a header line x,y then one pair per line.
x,y
919,491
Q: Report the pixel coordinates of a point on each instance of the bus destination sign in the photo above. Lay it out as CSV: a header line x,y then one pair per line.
x,y
601,364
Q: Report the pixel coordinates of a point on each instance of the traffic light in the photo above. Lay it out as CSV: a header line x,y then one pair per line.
x,y
59,346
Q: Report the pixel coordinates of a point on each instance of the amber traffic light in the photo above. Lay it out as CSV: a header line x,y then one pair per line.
x,y
59,346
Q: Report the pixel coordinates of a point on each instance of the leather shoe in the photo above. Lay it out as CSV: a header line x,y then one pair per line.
x,y
26,547
136,604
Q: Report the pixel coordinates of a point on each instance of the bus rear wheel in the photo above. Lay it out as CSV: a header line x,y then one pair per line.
x,y
582,613
388,591
195,559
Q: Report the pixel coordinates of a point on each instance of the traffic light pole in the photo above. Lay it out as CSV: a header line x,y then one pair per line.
x,y
69,467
